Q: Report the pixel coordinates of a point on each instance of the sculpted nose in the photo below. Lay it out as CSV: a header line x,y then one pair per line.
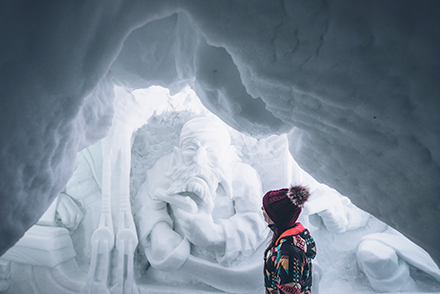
x,y
201,157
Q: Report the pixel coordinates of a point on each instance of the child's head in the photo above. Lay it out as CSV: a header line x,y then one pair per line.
x,y
283,206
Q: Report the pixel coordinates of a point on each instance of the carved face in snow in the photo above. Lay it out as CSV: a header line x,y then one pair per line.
x,y
203,160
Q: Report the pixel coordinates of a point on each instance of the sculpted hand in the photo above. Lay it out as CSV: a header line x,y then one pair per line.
x,y
163,240
167,250
201,194
334,217
68,212
200,229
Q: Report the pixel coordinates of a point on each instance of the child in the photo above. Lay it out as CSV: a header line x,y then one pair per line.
x,y
288,259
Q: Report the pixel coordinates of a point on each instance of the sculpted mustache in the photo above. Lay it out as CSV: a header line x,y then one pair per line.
x,y
181,174
184,173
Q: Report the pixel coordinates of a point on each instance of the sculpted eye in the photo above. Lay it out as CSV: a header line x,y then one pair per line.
x,y
213,150
190,147
214,158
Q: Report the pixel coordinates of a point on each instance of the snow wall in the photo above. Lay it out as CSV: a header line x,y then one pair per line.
x,y
358,82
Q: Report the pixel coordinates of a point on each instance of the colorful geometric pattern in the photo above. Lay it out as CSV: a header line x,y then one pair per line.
x,y
288,266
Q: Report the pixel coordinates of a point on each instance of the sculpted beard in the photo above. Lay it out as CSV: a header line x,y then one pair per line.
x,y
195,180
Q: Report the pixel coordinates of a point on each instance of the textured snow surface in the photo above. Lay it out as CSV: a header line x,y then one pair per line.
x,y
151,119
356,81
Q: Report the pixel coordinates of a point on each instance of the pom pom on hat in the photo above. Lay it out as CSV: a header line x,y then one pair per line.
x,y
283,206
298,195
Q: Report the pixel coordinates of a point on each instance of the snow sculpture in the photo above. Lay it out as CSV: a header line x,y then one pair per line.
x,y
86,240
384,255
385,258
198,212
337,212
85,188
57,254
54,255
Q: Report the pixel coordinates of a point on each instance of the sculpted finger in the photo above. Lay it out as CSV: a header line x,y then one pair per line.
x,y
79,217
72,213
63,214
182,214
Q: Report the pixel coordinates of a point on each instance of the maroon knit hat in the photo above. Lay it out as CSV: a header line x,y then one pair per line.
x,y
283,206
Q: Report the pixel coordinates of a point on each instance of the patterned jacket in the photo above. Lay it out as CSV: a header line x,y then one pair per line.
x,y
288,265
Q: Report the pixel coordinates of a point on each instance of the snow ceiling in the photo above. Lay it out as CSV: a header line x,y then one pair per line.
x,y
357,81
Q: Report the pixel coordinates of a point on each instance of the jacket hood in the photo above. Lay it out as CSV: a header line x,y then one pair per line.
x,y
301,239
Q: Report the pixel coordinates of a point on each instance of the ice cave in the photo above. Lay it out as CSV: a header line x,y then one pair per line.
x,y
100,104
